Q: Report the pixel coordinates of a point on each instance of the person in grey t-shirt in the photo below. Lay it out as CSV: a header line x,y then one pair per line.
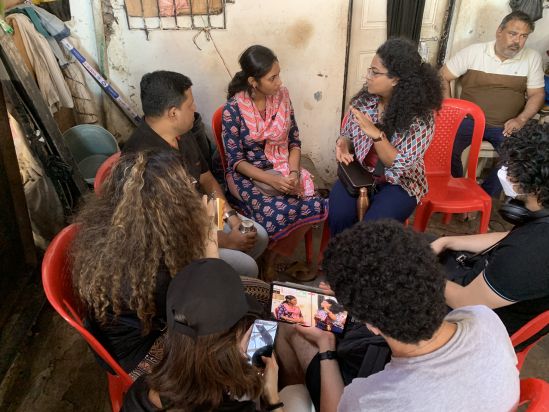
x,y
387,277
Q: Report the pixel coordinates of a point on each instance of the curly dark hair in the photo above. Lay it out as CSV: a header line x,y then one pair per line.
x,y
387,275
418,91
149,216
526,155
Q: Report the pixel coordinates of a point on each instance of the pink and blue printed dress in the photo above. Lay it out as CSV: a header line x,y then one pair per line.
x,y
279,215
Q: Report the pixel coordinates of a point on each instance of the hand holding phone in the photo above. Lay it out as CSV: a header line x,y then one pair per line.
x,y
261,341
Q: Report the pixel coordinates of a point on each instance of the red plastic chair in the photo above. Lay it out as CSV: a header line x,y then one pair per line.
x,y
103,171
217,128
535,392
56,278
526,332
446,193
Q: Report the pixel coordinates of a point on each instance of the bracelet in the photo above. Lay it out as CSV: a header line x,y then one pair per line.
x,y
228,214
274,406
328,355
296,172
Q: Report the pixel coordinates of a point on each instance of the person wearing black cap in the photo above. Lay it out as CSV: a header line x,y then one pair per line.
x,y
204,367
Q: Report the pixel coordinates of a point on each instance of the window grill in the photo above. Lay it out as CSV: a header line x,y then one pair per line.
x,y
150,15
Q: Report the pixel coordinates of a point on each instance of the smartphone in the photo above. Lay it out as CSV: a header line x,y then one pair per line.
x,y
261,341
307,306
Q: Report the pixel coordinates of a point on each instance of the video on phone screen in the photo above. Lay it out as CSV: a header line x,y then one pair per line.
x,y
261,341
307,308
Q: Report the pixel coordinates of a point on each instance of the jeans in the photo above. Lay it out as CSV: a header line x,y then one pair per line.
x,y
389,201
494,135
244,262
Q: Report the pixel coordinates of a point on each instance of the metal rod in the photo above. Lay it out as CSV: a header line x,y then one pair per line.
x,y
107,87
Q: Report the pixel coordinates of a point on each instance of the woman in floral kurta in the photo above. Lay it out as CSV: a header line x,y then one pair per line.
x,y
280,214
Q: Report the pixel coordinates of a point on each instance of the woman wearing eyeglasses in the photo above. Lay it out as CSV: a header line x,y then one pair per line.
x,y
388,129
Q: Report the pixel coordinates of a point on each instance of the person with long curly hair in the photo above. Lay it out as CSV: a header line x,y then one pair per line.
x,y
511,276
388,129
205,366
390,281
147,224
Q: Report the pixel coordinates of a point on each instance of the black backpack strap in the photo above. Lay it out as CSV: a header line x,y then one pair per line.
x,y
375,359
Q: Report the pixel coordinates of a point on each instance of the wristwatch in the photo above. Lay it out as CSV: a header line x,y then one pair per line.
x,y
378,139
227,215
329,354
274,406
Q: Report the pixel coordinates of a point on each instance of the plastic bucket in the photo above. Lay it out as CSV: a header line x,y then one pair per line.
x,y
90,145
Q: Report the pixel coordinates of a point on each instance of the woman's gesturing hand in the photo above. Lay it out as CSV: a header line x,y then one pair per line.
x,y
365,123
342,151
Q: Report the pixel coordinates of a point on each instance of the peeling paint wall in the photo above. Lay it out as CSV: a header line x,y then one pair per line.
x,y
84,39
308,37
477,21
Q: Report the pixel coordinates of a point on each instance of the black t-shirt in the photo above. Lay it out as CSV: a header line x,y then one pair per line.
x,y
123,336
145,138
518,271
137,400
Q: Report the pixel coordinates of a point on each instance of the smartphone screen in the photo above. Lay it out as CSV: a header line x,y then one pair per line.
x,y
261,341
307,306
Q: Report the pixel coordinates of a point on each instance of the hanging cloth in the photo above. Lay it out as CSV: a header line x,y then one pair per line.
x,y
32,12
49,78
404,18
85,108
533,8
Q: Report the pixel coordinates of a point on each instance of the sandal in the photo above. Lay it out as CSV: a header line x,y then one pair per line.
x,y
468,217
300,272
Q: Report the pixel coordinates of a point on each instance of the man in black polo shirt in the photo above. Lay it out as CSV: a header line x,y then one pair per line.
x,y
513,277
169,109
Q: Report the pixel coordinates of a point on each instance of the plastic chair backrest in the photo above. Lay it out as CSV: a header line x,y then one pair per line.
x,y
438,157
104,171
217,129
57,282
536,392
527,331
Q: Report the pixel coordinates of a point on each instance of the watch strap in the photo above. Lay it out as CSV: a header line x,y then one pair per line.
x,y
274,406
379,138
328,355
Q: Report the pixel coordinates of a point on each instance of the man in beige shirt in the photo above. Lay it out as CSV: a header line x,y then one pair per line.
x,y
504,79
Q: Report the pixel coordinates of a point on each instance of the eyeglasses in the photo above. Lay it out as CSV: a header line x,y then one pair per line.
x,y
372,73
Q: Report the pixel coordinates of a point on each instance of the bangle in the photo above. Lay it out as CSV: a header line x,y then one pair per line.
x,y
228,214
328,355
274,406
296,172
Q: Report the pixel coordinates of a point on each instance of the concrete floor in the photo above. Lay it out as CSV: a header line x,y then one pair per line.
x,y
55,370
